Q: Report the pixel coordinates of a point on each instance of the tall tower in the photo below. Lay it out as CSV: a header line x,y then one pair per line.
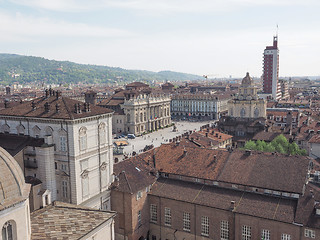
x,y
271,83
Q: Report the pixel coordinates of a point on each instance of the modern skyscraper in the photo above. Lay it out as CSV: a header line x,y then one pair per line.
x,y
271,83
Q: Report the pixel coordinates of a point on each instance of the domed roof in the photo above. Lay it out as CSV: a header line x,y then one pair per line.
x,y
247,80
13,188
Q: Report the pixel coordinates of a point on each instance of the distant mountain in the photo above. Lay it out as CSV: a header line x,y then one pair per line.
x,y
27,69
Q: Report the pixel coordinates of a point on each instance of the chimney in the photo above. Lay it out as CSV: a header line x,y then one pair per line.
x,y
6,103
232,205
50,92
58,94
248,152
184,152
214,157
311,193
33,105
46,107
47,93
57,108
206,134
77,108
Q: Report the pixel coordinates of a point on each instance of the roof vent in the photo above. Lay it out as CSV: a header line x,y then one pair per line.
x,y
248,152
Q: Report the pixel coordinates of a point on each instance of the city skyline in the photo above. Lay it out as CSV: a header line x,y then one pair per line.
x,y
214,38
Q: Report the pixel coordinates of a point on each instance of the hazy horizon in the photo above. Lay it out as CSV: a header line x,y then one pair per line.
x,y
219,38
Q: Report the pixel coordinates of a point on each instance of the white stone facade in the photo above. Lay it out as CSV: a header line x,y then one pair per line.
x,y
198,105
146,113
61,161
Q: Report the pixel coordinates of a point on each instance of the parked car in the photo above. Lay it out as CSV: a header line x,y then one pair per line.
x,y
131,136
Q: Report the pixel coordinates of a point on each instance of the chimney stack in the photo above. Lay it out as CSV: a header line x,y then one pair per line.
x,y
57,108
33,105
6,103
58,94
46,107
47,93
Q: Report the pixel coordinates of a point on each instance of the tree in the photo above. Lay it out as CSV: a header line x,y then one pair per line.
x,y
250,145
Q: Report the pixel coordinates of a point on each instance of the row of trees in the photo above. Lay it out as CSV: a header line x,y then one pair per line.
x,y
280,144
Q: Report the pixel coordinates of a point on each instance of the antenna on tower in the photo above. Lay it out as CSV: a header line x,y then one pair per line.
x,y
277,30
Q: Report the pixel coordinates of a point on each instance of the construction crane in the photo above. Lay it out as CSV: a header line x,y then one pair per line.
x,y
209,76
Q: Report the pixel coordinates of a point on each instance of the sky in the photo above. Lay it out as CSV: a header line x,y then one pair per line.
x,y
218,38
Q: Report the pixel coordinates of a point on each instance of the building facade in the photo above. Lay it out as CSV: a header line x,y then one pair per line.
x,y
246,103
199,106
271,84
75,163
138,109
218,194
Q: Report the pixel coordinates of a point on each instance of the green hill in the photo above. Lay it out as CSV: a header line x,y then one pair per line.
x,y
26,69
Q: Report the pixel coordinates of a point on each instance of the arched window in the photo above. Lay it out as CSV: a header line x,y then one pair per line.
x,y
137,117
141,117
144,116
21,129
256,112
242,112
48,131
7,231
83,138
36,131
128,117
5,128
102,133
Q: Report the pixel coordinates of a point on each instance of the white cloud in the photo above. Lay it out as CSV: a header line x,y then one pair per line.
x,y
163,6
22,27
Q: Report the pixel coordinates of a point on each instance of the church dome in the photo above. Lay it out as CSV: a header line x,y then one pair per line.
x,y
13,188
247,80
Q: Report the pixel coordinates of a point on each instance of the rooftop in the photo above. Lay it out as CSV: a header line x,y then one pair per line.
x,y
66,221
54,107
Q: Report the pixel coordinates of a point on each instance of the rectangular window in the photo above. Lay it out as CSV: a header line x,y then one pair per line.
x,y
64,167
205,226
63,143
83,142
104,178
167,216
85,187
139,218
84,165
246,232
265,234
65,189
224,230
153,213
186,221
285,236
309,233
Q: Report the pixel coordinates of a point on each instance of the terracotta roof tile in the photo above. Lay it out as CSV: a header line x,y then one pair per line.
x,y
66,106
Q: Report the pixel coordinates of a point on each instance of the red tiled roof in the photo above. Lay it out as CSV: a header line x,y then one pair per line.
x,y
246,203
66,109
